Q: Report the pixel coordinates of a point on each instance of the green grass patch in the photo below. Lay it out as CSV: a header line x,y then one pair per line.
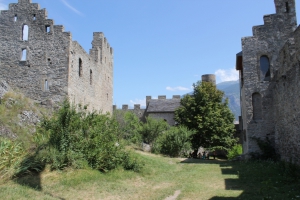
x,y
160,178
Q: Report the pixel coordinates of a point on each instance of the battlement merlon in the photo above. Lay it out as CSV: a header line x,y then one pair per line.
x,y
14,7
284,21
285,7
24,1
137,106
99,40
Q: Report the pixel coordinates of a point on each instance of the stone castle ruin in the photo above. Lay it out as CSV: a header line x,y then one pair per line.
x,y
41,60
269,67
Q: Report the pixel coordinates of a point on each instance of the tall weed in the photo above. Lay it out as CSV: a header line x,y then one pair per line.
x,y
11,155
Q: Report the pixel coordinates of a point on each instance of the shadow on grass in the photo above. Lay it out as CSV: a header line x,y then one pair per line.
x,y
30,175
255,179
203,161
258,180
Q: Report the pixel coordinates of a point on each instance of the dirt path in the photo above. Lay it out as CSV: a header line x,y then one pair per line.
x,y
174,197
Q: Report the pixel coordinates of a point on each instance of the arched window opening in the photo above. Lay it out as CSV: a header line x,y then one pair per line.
x,y
24,55
257,106
25,32
91,77
80,67
46,85
264,68
16,18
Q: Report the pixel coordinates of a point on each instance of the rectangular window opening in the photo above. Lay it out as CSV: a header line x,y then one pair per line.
x,y
91,77
46,86
25,33
24,55
15,18
287,7
48,29
34,17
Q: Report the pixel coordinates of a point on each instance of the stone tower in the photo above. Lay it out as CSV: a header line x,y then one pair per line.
x,y
257,66
209,78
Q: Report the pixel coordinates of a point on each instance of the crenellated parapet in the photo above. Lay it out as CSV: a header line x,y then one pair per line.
x,y
100,48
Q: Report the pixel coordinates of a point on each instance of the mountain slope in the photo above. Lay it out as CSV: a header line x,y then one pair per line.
x,y
232,92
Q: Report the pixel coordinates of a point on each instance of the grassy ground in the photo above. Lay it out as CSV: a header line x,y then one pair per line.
x,y
161,177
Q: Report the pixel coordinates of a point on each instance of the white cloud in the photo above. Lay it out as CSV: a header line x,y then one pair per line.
x,y
179,88
227,74
71,7
142,102
3,6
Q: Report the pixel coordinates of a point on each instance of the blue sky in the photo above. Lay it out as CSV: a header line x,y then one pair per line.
x,y
161,47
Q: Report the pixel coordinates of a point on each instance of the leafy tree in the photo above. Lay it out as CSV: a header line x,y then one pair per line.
x,y
208,114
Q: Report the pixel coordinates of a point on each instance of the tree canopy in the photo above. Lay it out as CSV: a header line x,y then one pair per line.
x,y
207,112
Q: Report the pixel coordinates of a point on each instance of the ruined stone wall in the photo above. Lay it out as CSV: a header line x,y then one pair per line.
x,y
102,54
266,41
137,110
167,116
285,94
50,70
42,74
4,88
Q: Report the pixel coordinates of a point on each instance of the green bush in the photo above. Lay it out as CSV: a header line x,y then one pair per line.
x,y
76,138
129,126
152,129
235,151
174,142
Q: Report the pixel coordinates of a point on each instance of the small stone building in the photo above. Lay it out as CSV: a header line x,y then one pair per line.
x,y
42,61
269,67
161,108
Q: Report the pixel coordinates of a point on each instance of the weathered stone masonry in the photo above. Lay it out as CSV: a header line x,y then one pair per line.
x,y
48,66
269,79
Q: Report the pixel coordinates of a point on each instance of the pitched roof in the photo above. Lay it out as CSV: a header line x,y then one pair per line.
x,y
163,105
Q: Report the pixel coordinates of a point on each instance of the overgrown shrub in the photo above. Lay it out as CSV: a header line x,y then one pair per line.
x,y
129,126
152,129
174,142
76,138
235,151
11,155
